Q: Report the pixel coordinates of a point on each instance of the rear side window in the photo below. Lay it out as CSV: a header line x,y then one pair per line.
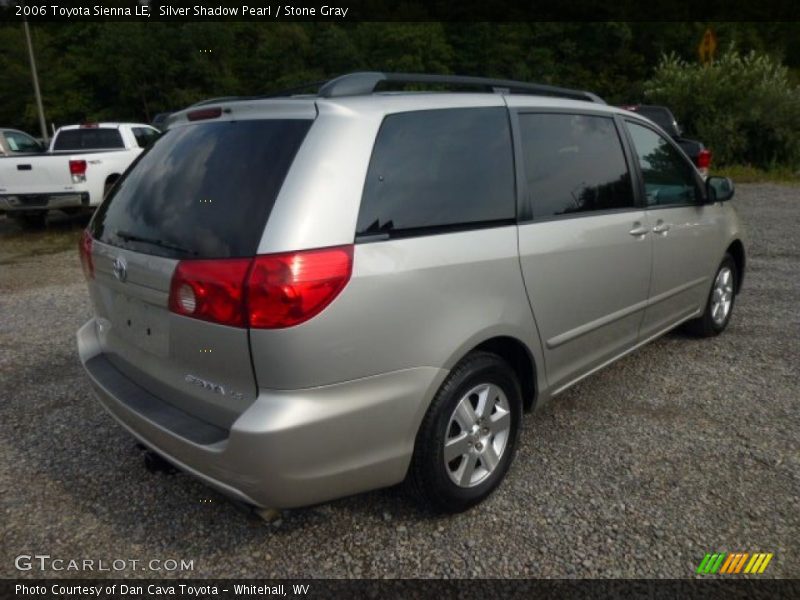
x,y
91,138
144,136
439,169
574,164
203,190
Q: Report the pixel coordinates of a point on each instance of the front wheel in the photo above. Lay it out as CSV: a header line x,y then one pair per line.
x,y
719,306
467,439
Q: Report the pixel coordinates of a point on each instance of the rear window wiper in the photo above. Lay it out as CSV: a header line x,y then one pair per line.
x,y
132,237
376,232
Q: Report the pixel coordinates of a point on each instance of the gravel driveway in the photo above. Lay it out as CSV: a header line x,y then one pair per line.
x,y
683,448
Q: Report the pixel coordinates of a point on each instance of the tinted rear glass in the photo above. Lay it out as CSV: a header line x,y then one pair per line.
x,y
203,191
439,168
144,136
88,139
574,164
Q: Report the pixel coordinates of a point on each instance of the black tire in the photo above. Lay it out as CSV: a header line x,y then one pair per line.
x,y
705,325
428,477
32,220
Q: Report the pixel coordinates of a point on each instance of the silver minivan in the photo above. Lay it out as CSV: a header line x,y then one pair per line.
x,y
303,297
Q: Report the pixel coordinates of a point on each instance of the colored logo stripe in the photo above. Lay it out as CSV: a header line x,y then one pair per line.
x,y
703,564
711,563
727,564
734,563
758,563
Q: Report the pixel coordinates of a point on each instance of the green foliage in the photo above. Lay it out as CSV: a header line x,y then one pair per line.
x,y
133,70
743,106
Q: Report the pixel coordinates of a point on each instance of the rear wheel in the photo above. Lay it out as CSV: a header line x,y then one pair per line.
x,y
467,439
35,220
719,305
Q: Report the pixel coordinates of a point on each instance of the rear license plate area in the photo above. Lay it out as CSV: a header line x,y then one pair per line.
x,y
33,200
140,324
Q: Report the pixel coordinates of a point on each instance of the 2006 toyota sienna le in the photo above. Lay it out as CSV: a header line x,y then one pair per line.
x,y
303,297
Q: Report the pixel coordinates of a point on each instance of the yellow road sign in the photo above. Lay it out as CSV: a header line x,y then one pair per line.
x,y
707,47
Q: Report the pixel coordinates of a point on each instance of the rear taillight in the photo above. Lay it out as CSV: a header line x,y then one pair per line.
x,y
287,289
211,290
204,113
85,251
704,160
77,168
266,292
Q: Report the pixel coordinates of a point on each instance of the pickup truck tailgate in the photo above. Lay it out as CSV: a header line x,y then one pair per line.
x,y
35,174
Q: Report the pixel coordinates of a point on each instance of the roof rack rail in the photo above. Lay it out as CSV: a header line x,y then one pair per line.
x,y
311,86
358,84
364,83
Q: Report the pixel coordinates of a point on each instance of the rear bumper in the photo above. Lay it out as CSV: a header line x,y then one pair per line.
x,y
289,448
29,202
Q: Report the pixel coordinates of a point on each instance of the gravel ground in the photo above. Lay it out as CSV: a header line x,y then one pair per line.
x,y
682,448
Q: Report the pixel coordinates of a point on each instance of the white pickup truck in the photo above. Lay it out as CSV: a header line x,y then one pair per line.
x,y
80,166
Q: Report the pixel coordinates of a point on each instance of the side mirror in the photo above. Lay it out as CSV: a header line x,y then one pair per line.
x,y
719,189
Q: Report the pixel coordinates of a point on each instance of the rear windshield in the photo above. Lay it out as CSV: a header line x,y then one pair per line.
x,y
98,138
201,191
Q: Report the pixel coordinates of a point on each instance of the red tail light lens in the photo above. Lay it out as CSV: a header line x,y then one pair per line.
x,y
77,168
85,251
204,113
266,292
287,289
210,290
704,158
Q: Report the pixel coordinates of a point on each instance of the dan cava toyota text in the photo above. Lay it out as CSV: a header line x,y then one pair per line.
x,y
102,591
180,589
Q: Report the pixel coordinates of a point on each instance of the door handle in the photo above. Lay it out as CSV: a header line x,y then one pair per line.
x,y
661,227
638,230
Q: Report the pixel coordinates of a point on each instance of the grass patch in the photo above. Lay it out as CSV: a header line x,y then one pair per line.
x,y
748,174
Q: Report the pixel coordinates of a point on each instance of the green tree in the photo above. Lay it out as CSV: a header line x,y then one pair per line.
x,y
132,70
743,106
